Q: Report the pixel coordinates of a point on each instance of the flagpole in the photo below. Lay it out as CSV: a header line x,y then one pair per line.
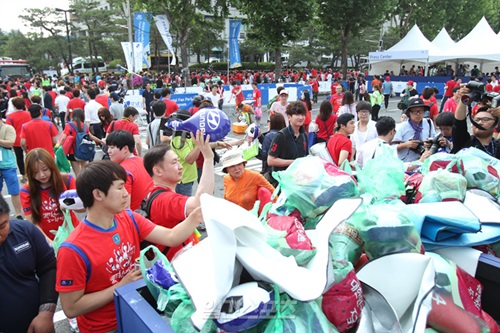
x,y
228,46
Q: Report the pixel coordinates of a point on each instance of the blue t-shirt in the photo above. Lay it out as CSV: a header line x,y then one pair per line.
x,y
22,254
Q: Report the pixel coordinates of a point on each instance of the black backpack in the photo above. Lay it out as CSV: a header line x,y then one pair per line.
x,y
146,203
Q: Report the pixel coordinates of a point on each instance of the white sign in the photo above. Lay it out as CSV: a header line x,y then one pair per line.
x,y
397,55
137,58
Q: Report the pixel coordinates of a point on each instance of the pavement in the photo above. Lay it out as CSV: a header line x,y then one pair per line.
x,y
61,322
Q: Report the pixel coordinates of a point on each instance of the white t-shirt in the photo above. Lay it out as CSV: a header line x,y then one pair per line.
x,y
61,103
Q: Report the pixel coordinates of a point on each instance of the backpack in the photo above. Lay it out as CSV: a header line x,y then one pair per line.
x,y
145,209
44,115
154,139
274,99
84,146
427,113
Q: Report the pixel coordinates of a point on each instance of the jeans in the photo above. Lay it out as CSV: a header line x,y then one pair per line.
x,y
62,116
184,189
20,159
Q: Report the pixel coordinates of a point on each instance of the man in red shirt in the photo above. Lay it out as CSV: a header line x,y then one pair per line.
x,y
448,91
336,99
75,103
101,98
16,119
237,92
315,88
120,149
169,208
99,255
427,95
257,105
171,105
127,123
38,133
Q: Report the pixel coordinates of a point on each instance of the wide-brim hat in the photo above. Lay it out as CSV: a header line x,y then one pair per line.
x,y
232,157
416,102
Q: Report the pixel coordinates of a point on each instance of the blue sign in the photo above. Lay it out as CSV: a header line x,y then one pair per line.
x,y
141,27
234,48
185,101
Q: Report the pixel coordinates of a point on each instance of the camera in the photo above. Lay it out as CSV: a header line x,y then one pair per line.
x,y
420,149
477,90
435,145
495,99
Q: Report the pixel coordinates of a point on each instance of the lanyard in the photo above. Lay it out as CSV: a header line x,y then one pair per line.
x,y
490,148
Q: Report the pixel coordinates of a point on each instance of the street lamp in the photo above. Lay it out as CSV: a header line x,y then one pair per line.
x,y
66,11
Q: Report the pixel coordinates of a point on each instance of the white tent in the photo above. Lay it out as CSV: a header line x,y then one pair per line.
x,y
413,48
443,40
481,45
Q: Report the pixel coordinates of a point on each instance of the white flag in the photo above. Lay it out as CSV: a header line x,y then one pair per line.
x,y
164,29
138,51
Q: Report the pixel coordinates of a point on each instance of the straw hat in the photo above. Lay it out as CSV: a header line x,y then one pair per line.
x,y
232,157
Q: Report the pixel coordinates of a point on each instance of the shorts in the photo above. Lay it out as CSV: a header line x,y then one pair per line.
x,y
10,177
71,157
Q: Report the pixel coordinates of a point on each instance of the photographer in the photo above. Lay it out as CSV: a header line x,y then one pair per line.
x,y
442,143
412,135
483,125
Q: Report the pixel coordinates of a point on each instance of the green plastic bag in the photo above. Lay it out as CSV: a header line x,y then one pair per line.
x,y
63,231
181,318
382,177
167,300
61,160
293,316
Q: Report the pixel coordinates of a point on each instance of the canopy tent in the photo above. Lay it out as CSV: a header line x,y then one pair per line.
x,y
414,47
482,44
443,40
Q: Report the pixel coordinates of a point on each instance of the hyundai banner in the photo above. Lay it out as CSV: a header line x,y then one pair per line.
x,y
134,61
164,29
234,49
141,28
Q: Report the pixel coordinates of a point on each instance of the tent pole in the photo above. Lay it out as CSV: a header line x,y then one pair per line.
x,y
426,72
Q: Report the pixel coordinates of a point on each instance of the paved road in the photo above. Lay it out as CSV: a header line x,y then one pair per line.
x,y
254,164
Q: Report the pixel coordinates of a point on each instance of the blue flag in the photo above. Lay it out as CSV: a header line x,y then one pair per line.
x,y
234,48
141,28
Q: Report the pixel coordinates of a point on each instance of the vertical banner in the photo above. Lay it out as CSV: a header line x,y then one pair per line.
x,y
141,28
164,29
234,48
134,62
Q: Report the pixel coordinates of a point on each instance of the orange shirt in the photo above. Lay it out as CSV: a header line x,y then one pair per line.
x,y
244,191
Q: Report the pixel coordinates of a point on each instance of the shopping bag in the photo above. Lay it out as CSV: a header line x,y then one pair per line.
x,y
68,143
63,231
320,150
312,138
250,150
62,161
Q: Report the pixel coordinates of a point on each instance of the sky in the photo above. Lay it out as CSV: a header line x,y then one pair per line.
x,y
9,14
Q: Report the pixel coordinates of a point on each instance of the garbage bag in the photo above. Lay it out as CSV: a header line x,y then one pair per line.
x,y
159,277
480,174
442,185
63,231
385,228
441,161
181,319
293,316
456,301
383,176
311,185
345,243
287,235
343,303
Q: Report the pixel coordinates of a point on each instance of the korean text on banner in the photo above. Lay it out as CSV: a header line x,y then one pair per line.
x,y
164,29
141,28
234,48
134,63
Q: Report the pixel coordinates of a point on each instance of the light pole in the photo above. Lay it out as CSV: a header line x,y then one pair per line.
x,y
66,11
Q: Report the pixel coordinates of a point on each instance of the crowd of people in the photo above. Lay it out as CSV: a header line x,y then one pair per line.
x,y
42,117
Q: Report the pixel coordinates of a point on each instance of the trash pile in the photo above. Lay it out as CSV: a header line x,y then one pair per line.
x,y
342,253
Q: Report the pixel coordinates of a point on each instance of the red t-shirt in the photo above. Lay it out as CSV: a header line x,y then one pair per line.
x,y
171,107
103,100
51,217
333,88
238,92
38,134
53,94
168,210
104,265
326,128
76,103
255,96
17,119
434,108
336,101
315,85
449,88
139,182
336,144
123,124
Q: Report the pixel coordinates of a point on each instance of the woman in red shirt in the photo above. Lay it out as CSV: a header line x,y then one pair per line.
x,y
40,196
325,121
306,99
340,146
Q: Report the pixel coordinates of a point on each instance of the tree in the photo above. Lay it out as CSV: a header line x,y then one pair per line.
x,y
184,16
276,23
348,18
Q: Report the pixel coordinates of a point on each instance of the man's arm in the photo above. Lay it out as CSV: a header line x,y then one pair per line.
x,y
77,303
23,144
138,144
206,184
10,138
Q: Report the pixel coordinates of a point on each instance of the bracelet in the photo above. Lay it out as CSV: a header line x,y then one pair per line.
x,y
217,144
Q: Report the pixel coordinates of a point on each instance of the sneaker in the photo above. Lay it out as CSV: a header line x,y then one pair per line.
x,y
73,325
